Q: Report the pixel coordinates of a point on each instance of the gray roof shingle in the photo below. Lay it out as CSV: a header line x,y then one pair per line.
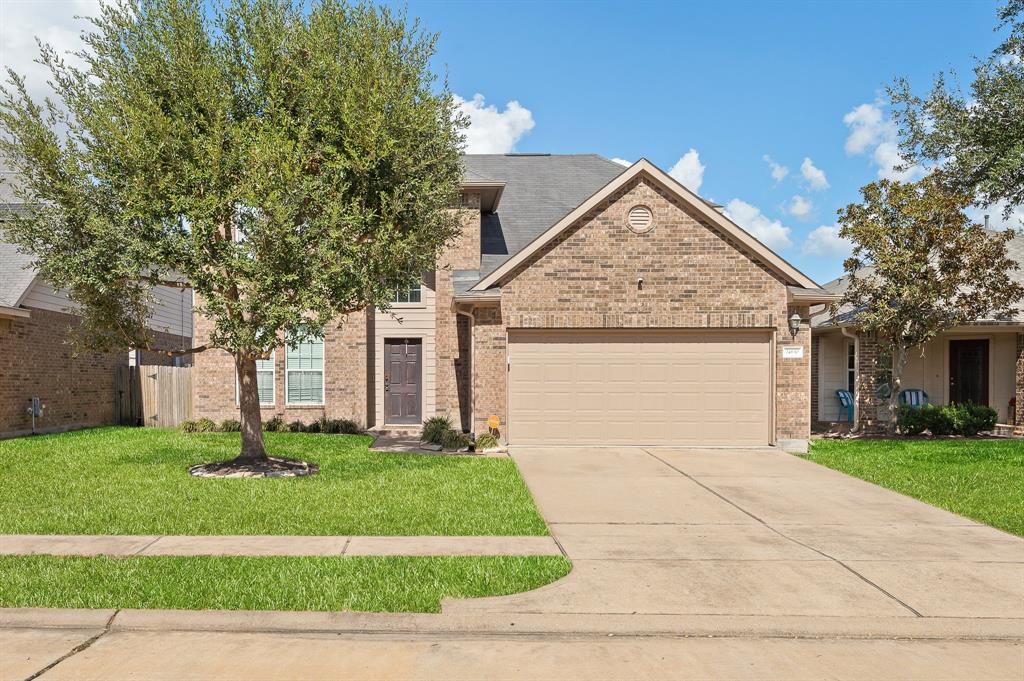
x,y
539,190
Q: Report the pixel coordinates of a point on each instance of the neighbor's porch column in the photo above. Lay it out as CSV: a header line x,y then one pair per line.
x,y
869,405
1019,392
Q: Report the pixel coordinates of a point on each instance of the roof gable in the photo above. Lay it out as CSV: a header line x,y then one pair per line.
x,y
788,272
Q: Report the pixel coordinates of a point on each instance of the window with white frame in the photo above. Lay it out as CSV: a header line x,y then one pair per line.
x,y
408,294
304,372
264,380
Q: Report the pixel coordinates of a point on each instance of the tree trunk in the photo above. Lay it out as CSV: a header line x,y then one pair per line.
x,y
899,363
249,406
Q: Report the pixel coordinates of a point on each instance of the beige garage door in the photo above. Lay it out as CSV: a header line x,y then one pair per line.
x,y
638,387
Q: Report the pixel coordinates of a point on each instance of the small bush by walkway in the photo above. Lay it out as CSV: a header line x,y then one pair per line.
x,y
979,479
382,584
136,481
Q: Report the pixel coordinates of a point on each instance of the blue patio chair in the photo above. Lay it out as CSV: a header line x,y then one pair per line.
x,y
846,400
913,397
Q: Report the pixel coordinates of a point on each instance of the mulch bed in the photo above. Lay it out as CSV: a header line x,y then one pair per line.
x,y
273,467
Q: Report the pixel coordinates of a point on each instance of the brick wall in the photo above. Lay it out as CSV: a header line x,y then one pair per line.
x,y
694,277
815,369
452,340
36,360
491,368
347,389
870,407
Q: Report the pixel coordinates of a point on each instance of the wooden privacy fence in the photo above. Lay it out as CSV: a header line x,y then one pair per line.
x,y
155,396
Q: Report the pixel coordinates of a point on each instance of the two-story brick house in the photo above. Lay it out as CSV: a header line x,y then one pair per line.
x,y
585,303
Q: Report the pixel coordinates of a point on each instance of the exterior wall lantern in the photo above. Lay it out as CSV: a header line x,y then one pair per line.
x,y
794,324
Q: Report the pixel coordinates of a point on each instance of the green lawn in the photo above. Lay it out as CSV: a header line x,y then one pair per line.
x,y
980,479
390,584
136,481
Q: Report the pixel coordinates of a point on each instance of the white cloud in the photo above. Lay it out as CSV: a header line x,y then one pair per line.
x,y
622,161
492,131
814,176
21,21
778,171
825,242
995,216
872,132
771,233
799,207
689,171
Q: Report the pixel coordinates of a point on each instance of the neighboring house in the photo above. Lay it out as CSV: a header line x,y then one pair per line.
x,y
36,359
584,304
982,362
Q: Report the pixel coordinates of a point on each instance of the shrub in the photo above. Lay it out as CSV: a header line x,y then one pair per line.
x,y
296,426
340,426
434,429
971,419
189,426
230,426
950,419
205,425
274,425
486,441
315,426
454,440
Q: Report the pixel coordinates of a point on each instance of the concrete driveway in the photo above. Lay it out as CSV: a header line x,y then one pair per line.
x,y
758,534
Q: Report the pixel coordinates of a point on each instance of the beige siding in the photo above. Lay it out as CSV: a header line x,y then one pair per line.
x,y
172,309
831,375
408,321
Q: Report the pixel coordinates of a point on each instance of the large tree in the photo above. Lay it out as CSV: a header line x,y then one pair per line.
x,y
977,137
920,267
289,163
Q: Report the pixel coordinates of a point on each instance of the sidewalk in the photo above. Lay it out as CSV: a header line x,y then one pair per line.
x,y
285,545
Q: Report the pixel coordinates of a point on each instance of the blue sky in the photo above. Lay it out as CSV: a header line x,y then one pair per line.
x,y
801,83
733,81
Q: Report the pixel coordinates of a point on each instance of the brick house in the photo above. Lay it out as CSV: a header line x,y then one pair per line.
x,y
585,303
981,362
36,359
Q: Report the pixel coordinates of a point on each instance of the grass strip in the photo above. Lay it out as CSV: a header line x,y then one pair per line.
x,y
370,583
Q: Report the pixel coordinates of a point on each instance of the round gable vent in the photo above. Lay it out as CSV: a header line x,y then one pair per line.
x,y
640,219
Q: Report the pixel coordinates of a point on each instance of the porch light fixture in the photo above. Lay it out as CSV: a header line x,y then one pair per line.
x,y
794,324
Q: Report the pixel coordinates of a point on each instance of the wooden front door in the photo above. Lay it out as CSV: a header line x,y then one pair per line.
x,y
403,362
968,371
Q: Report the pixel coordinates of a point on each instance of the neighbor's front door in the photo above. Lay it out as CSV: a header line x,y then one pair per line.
x,y
403,361
968,371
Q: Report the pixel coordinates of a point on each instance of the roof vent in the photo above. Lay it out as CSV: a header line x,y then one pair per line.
x,y
640,219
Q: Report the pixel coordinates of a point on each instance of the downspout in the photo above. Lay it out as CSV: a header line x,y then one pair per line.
x,y
855,426
472,366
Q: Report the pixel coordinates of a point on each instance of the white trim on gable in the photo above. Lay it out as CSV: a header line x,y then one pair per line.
x,y
643,166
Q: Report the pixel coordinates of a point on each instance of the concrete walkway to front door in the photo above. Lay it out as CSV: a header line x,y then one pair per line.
x,y
756,534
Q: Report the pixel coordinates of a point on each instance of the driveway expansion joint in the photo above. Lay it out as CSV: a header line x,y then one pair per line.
x,y
785,536
77,649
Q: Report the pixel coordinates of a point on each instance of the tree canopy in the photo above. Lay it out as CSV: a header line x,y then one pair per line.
x,y
919,266
978,138
289,163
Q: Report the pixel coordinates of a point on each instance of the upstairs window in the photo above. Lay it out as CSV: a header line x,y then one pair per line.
x,y
304,372
408,294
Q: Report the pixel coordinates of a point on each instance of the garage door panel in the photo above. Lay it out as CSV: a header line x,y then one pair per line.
x,y
639,387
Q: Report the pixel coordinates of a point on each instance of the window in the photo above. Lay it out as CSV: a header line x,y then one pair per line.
x,y
304,372
408,294
851,367
264,380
